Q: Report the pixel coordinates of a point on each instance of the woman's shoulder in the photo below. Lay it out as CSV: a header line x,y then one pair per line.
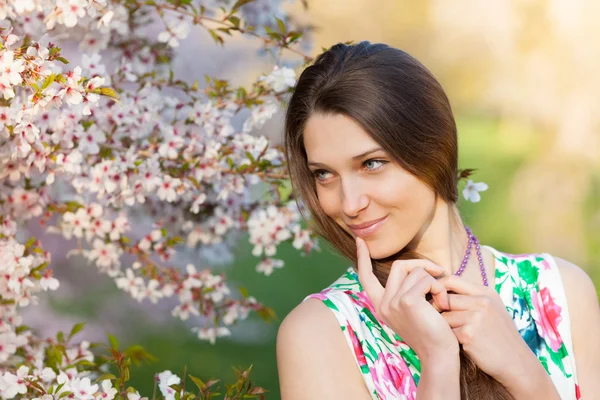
x,y
311,348
315,309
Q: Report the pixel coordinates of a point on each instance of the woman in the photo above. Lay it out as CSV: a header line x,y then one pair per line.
x,y
372,151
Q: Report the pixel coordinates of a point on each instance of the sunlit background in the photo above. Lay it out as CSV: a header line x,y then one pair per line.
x,y
522,78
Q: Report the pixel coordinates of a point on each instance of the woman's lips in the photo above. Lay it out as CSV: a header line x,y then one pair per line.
x,y
368,228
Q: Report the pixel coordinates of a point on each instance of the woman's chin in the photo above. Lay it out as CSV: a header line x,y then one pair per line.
x,y
379,250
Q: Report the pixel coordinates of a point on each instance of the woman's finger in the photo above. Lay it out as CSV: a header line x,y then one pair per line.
x,y
453,283
401,269
457,318
427,284
461,302
411,279
366,277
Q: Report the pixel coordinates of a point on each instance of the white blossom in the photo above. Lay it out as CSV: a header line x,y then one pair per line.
x,y
472,189
281,78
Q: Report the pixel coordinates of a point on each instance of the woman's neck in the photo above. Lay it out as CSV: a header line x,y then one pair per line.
x,y
443,238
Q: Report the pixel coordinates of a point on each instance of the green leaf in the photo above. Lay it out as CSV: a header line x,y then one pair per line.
x,y
293,36
108,92
198,382
218,39
240,3
85,363
281,25
48,81
30,242
104,377
64,61
234,20
114,343
225,30
76,329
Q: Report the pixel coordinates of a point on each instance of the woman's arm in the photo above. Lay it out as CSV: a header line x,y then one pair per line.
x,y
313,359
584,310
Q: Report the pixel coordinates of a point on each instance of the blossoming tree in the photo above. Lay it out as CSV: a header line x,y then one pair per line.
x,y
91,151
94,151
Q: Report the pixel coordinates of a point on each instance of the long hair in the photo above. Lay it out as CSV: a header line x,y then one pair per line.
x,y
401,105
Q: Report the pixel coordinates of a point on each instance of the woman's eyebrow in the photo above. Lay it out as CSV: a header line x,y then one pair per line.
x,y
354,158
366,153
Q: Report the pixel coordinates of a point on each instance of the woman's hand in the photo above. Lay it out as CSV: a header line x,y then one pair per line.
x,y
488,335
402,305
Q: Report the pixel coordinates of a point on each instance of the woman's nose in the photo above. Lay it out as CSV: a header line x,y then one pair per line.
x,y
354,200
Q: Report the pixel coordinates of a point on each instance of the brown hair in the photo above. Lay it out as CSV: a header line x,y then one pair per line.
x,y
401,105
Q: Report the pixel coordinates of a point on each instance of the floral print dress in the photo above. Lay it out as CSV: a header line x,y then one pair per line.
x,y
530,286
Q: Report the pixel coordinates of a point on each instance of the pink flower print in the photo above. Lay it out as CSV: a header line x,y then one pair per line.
x,y
546,265
358,351
321,295
392,378
547,317
365,301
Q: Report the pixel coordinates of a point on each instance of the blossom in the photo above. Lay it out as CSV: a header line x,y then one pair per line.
x,y
70,11
267,229
281,78
47,282
10,68
176,30
267,265
83,389
13,384
88,143
108,391
260,115
130,283
211,334
6,89
165,380
167,190
472,189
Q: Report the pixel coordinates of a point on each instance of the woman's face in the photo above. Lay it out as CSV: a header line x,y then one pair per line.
x,y
362,189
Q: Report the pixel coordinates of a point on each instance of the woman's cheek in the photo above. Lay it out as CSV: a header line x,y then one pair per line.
x,y
329,204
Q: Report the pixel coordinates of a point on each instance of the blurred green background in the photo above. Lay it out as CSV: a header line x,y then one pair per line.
x,y
521,78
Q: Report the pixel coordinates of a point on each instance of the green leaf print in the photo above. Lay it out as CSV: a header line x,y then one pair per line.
x,y
330,304
518,292
528,272
372,351
416,377
544,362
558,356
410,357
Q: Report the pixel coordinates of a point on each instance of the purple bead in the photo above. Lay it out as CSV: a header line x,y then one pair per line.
x,y
473,240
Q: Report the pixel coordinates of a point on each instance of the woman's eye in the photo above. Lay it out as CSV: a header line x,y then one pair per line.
x,y
320,174
372,165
